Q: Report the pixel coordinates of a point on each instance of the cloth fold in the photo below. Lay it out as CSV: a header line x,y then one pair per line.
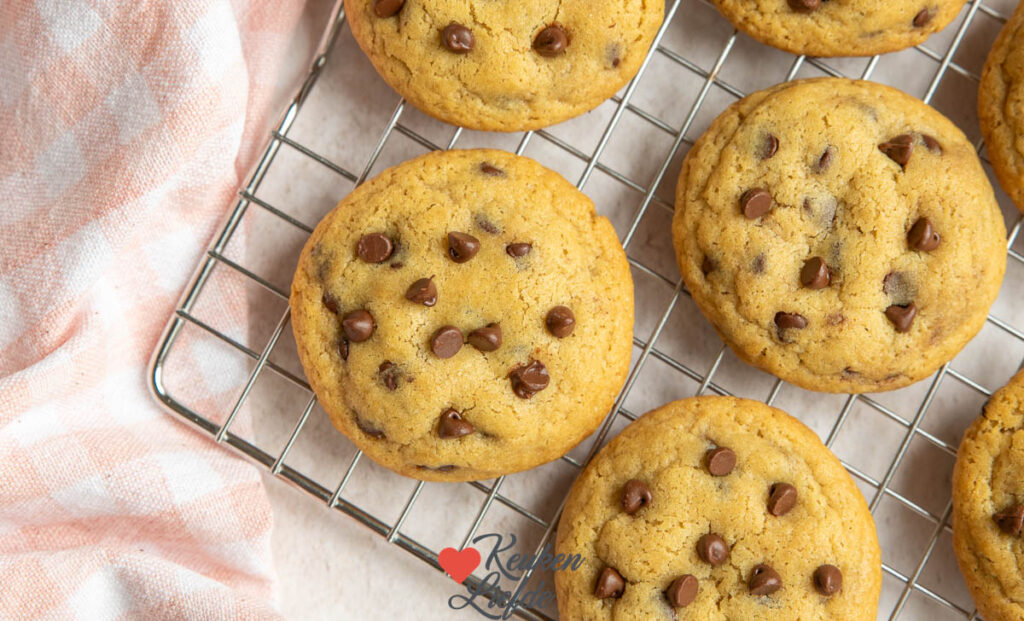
x,y
127,128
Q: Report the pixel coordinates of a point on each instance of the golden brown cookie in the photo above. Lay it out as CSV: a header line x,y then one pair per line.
x,y
717,508
1001,107
988,505
839,234
840,27
464,315
505,66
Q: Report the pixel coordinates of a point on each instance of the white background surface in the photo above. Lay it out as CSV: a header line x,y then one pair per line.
x,y
330,567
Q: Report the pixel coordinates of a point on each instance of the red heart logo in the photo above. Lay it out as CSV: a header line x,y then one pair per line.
x,y
459,564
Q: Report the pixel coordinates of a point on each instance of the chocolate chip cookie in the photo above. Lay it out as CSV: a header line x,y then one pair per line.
x,y
988,505
839,234
505,66
464,315
717,508
1001,107
840,28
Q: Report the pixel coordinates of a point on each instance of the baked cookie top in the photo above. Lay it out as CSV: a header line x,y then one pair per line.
x,y
464,315
1001,107
839,234
988,505
840,27
717,508
505,66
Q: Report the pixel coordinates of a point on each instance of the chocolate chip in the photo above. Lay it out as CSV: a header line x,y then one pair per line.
x,y
755,202
898,149
922,236
781,499
358,325
892,283
682,591
712,549
609,584
452,425
487,225
446,342
518,249
825,160
898,287
808,206
462,247
828,580
560,321
790,320
835,319
933,145
551,41
388,374
457,38
902,316
707,265
758,265
635,496
530,379
720,461
387,8
423,291
491,171
815,274
323,264
922,18
368,429
804,6
330,303
487,338
769,146
1010,520
764,580
375,248
343,348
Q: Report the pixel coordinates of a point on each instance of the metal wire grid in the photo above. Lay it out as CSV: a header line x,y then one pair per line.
x,y
183,315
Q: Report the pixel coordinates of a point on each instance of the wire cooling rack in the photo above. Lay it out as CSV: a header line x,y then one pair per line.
x,y
898,446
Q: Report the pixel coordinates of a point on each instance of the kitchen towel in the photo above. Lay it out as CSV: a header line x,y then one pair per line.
x,y
126,128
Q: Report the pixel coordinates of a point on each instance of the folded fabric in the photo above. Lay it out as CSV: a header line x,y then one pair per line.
x,y
127,128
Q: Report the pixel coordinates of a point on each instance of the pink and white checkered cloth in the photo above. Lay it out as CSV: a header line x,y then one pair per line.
x,y
125,128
